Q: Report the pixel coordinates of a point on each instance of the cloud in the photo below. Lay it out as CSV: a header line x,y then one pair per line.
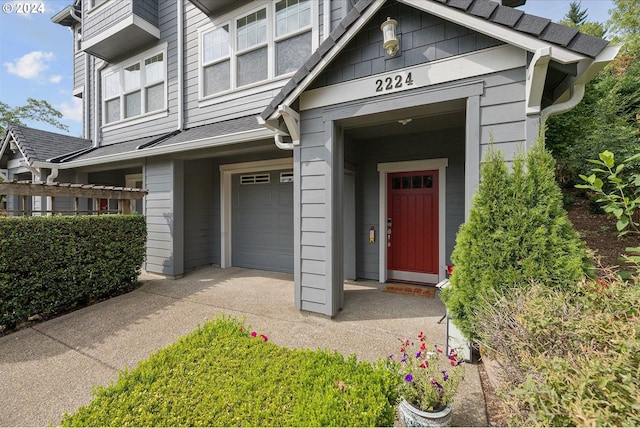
x,y
71,110
55,78
31,65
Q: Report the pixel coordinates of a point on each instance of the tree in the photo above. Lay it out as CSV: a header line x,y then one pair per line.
x,y
38,110
576,17
625,23
517,234
608,118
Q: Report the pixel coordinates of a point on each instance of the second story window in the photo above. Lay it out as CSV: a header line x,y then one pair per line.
x,y
134,89
256,45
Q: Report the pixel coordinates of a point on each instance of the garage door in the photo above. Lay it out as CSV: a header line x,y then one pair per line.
x,y
262,221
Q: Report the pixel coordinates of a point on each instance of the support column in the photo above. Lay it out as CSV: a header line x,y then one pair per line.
x,y
164,212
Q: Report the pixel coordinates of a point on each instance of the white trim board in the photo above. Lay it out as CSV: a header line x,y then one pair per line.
x,y
439,164
479,63
226,171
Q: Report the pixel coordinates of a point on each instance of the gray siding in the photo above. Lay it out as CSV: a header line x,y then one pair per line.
x,y
113,12
313,209
199,199
423,38
502,112
106,16
164,211
78,70
168,34
226,108
445,143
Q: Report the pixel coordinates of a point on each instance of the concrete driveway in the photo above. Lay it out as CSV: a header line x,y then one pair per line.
x,y
50,368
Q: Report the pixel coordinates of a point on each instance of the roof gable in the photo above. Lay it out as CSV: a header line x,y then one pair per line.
x,y
39,146
484,16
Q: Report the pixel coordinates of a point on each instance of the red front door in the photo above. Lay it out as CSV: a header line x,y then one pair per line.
x,y
412,226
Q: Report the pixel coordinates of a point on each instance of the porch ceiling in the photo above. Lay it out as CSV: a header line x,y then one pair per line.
x,y
423,119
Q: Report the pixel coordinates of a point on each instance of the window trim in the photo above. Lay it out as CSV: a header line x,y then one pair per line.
x,y
231,19
119,68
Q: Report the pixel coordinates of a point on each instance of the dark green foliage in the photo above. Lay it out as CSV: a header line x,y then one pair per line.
x,y
517,233
53,263
569,357
38,110
221,376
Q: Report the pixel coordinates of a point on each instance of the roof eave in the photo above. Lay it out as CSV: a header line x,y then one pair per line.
x,y
496,31
227,139
328,57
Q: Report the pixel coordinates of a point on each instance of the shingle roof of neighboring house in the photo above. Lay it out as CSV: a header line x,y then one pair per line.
x,y
39,146
491,11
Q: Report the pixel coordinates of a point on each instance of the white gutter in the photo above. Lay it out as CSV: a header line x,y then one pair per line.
x,y
180,37
291,121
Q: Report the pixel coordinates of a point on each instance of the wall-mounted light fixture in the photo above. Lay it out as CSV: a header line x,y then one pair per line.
x,y
390,40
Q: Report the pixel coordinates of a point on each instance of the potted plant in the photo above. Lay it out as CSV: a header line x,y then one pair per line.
x,y
429,381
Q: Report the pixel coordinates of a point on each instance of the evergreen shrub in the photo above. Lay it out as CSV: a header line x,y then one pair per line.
x,y
55,262
517,232
223,375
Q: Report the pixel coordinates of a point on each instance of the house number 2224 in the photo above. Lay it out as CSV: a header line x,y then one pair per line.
x,y
393,82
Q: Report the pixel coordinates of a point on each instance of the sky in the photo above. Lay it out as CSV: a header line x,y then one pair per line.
x,y
36,54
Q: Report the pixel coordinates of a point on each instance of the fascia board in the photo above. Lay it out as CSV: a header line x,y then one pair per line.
x,y
507,35
238,137
333,52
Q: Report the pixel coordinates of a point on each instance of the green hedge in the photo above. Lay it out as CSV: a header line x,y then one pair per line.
x,y
53,263
220,375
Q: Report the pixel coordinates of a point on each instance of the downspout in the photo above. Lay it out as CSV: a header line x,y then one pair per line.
x,y
54,174
97,110
180,37
576,91
291,121
87,88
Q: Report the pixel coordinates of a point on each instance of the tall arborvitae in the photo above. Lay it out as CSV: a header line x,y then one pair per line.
x,y
517,233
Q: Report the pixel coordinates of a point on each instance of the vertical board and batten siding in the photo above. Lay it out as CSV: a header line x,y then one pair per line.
x,y
443,143
198,207
148,9
164,212
166,21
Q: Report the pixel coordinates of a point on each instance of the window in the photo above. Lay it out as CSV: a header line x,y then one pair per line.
x,y
255,46
135,89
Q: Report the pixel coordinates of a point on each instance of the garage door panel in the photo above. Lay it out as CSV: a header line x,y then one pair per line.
x,y
262,222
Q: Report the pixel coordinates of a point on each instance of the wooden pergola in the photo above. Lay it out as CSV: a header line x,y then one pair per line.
x,y
75,191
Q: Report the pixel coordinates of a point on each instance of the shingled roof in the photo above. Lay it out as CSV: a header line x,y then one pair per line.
x,y
39,146
491,11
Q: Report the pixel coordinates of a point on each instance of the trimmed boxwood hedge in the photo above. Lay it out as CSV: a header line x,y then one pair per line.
x,y
53,263
219,375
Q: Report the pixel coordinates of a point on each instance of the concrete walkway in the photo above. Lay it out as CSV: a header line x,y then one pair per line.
x,y
50,368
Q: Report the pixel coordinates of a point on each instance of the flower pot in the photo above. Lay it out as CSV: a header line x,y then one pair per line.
x,y
411,416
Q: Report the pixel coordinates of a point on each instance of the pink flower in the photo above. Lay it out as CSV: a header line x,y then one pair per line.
x,y
424,364
254,334
264,337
